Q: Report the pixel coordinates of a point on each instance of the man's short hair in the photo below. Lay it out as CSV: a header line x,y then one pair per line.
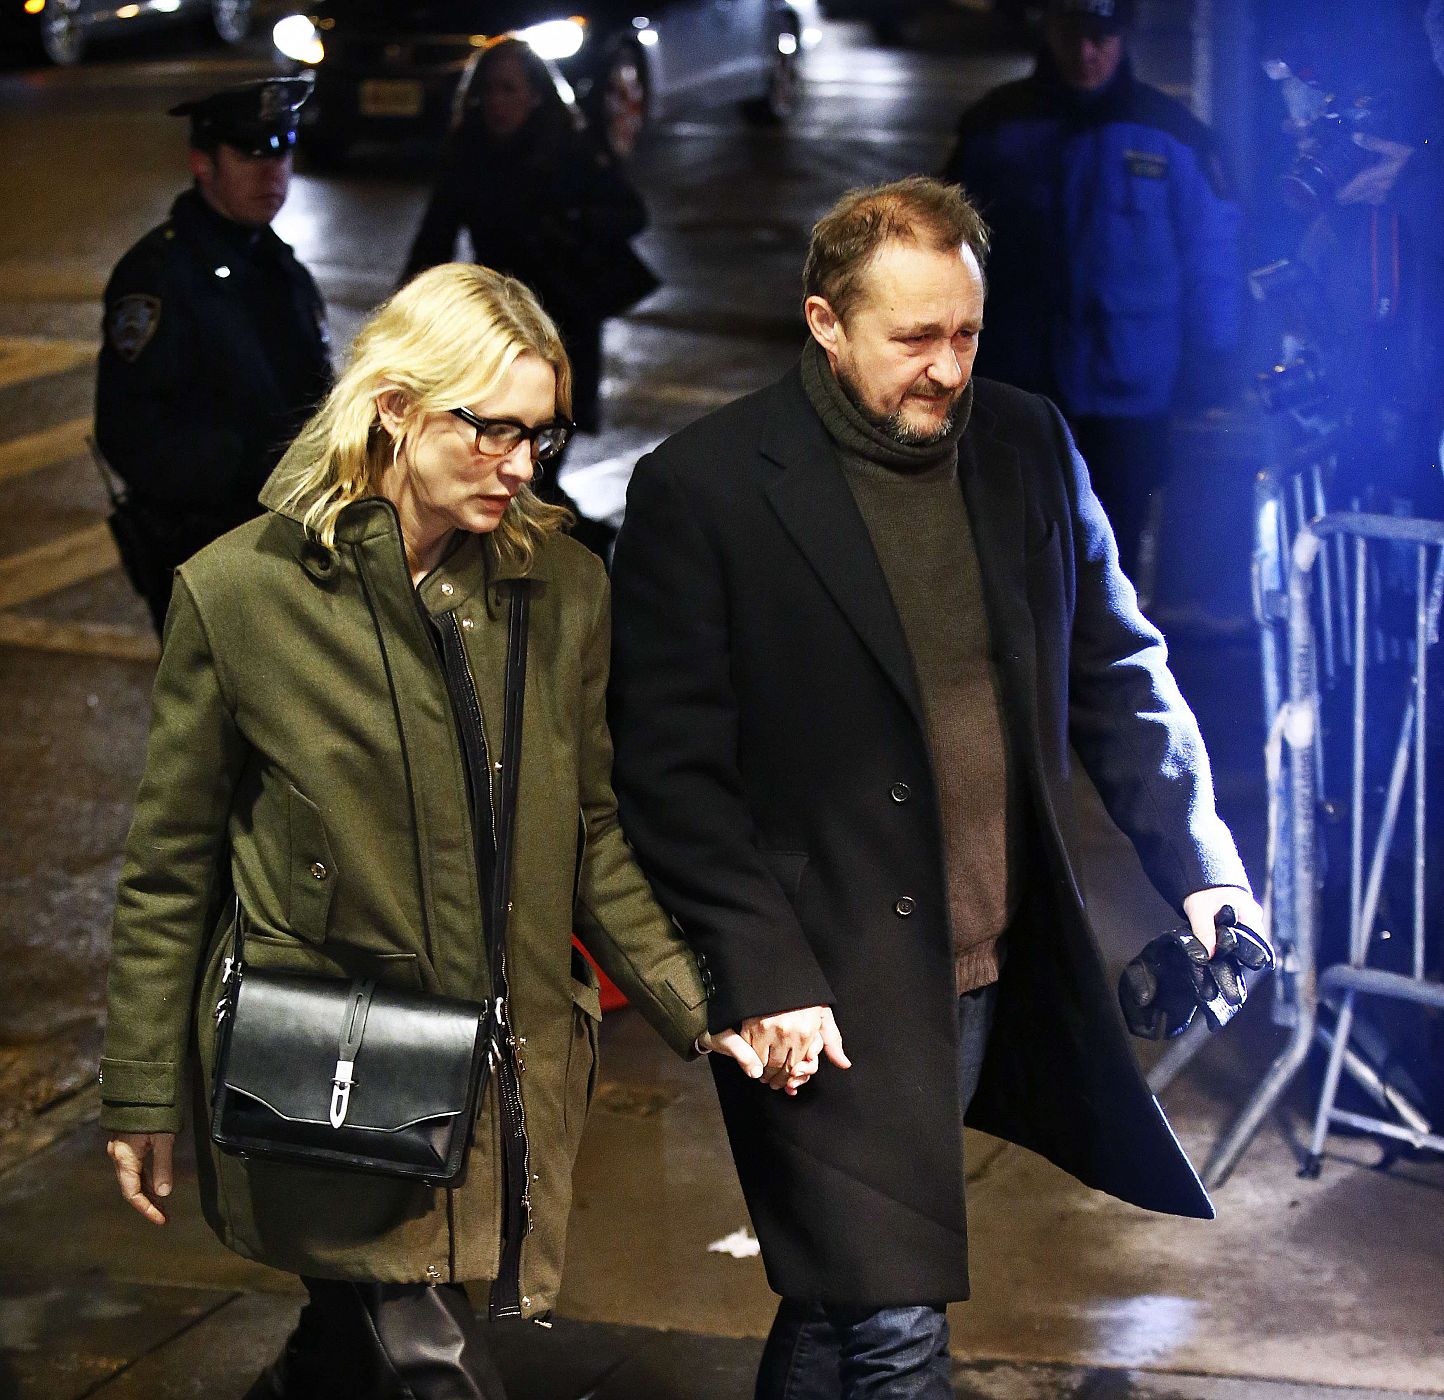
x,y
916,210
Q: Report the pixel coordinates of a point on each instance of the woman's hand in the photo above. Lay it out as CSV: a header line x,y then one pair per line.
x,y
142,1187
748,1061
790,1044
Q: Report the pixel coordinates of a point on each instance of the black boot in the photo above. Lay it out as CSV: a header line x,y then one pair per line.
x,y
382,1341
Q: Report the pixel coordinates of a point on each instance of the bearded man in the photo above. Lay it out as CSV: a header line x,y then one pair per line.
x,y
861,616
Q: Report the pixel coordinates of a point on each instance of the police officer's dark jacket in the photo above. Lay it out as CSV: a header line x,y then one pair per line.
x,y
215,351
1115,262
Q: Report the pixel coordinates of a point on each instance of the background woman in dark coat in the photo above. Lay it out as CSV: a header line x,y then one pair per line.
x,y
545,204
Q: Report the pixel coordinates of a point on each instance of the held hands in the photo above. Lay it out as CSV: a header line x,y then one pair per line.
x,y
789,1045
141,1185
783,1050
731,1044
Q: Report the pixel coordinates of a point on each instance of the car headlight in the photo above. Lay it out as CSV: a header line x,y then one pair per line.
x,y
556,39
298,38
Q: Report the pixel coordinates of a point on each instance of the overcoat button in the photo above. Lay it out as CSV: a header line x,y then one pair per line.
x,y
905,905
447,590
901,792
319,871
467,624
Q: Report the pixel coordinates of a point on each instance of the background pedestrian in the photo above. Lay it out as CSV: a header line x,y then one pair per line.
x,y
215,345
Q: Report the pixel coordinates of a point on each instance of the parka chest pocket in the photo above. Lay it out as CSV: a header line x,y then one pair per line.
x,y
313,870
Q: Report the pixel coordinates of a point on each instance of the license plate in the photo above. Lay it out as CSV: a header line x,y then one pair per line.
x,y
391,97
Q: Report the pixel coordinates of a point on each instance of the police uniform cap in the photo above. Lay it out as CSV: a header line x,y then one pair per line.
x,y
258,118
1095,16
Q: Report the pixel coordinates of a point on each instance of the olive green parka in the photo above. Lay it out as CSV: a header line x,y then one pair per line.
x,y
303,752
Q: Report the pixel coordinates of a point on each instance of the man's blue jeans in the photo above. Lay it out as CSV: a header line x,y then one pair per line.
x,y
823,1352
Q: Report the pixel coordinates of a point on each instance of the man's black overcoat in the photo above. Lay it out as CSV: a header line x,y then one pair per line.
x,y
775,780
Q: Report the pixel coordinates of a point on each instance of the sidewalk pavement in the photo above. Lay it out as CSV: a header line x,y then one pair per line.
x,y
1329,1288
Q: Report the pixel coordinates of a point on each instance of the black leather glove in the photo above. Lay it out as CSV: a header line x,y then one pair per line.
x,y
1162,988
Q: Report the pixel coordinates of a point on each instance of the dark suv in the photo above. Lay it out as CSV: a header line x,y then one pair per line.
x,y
386,71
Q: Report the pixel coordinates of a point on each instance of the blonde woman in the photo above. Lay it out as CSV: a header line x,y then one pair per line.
x,y
306,754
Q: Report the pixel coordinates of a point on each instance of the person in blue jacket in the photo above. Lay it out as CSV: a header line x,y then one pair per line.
x,y
1115,287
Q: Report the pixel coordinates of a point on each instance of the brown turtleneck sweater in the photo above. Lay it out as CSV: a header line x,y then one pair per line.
x,y
913,507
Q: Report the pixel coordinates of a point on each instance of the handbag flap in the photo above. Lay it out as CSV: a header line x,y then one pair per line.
x,y
414,1062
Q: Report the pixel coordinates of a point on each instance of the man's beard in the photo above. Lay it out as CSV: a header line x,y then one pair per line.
x,y
894,426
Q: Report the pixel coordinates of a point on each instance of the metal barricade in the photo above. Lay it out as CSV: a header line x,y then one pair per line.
x,y
1321,597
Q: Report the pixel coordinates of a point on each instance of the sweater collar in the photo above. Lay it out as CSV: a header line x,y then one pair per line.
x,y
858,436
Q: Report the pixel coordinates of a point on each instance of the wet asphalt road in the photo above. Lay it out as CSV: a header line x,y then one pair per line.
x,y
91,164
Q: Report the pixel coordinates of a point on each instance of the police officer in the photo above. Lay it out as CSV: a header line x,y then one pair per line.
x,y
215,343
1115,285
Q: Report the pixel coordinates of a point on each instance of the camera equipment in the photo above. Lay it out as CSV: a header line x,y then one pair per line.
x,y
1328,162
1281,280
1324,124
1294,386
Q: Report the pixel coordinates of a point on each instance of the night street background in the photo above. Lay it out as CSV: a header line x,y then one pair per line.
x,y
1299,1288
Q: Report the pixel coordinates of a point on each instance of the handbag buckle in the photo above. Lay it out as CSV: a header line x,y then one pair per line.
x,y
341,1091
230,970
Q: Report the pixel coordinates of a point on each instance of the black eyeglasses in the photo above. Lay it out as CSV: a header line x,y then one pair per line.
x,y
495,437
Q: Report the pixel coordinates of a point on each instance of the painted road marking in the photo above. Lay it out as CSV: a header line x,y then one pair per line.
x,y
35,451
78,638
47,568
23,358
71,558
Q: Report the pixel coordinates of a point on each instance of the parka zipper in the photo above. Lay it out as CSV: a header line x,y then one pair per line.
x,y
506,1300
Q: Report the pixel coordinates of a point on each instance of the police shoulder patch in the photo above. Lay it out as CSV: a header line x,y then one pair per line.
x,y
131,324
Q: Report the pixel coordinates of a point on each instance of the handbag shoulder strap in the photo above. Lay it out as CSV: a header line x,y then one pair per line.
x,y
518,626
512,711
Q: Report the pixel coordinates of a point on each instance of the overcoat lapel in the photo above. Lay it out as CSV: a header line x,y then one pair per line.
x,y
990,473
816,508
811,498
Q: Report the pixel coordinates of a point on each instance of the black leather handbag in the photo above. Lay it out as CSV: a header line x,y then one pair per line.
x,y
350,1075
